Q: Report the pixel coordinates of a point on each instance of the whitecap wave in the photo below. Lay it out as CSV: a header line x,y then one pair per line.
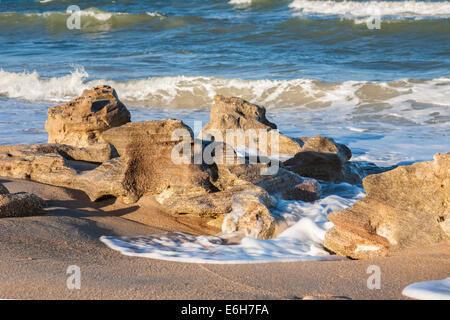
x,y
91,19
95,13
188,92
240,2
371,8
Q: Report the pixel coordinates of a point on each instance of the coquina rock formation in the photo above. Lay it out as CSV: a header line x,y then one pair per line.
x,y
145,167
151,167
96,153
19,204
317,157
158,158
324,159
94,148
405,207
234,114
80,122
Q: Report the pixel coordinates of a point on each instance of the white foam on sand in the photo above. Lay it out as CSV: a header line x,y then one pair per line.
x,y
429,290
302,241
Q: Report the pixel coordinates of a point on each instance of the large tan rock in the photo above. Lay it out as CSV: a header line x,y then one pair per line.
x,y
405,207
324,159
250,214
308,190
46,168
243,200
239,123
237,114
145,165
146,158
240,208
20,205
80,122
107,179
96,153
327,146
148,148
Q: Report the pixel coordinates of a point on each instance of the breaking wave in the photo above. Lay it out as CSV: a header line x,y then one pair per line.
x,y
91,19
189,92
396,9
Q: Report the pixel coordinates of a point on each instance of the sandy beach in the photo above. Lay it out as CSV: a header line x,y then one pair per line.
x,y
225,149
36,252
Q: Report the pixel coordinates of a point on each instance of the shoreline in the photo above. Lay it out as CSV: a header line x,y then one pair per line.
x,y
69,235
221,216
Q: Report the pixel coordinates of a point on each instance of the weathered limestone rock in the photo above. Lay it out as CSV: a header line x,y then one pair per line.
x,y
46,168
405,207
251,214
238,114
108,179
148,148
325,145
324,159
190,188
97,153
3,189
159,158
145,165
317,157
244,198
20,205
308,190
51,168
80,122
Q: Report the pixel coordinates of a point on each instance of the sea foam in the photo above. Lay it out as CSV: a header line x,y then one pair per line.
x,y
369,8
195,92
429,290
302,241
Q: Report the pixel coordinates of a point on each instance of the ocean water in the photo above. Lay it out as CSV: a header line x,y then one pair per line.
x,y
374,75
316,65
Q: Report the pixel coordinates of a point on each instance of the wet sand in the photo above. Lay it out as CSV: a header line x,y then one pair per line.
x,y
36,251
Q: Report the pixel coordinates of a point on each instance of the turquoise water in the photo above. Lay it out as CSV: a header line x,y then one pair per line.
x,y
316,65
124,40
